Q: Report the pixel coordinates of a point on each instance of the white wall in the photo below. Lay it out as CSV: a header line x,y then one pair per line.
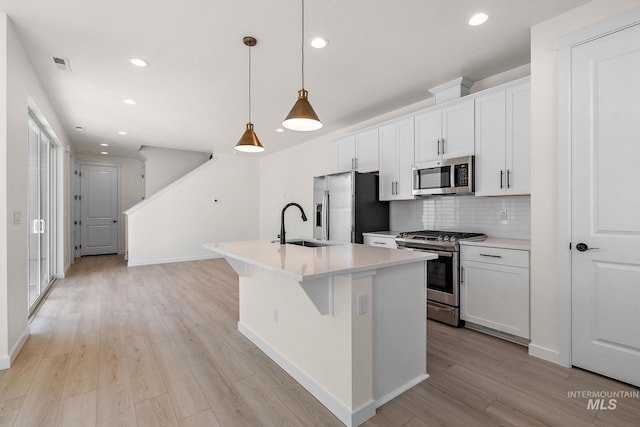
x,y
287,176
130,191
544,206
216,202
23,91
164,165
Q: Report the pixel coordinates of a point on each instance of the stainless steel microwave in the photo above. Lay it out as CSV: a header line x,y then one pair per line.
x,y
446,176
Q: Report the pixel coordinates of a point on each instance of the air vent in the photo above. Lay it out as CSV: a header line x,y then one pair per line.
x,y
61,63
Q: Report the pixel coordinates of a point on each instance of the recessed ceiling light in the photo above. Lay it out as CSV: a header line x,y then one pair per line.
x,y
139,62
129,101
319,42
121,132
79,128
478,19
104,145
279,130
104,152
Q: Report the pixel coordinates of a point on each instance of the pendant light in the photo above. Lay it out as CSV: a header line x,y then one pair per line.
x,y
249,142
302,117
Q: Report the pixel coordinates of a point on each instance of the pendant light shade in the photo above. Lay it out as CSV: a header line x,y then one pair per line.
x,y
249,142
302,117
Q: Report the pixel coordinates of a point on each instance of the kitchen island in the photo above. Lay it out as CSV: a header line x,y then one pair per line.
x,y
347,321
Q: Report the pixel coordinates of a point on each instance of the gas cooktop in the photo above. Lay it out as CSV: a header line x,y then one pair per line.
x,y
440,239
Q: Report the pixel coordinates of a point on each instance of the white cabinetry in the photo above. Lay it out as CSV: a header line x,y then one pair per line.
x,y
396,158
503,141
359,152
445,132
380,241
494,288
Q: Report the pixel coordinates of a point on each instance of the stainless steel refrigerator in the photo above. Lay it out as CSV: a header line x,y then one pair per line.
x,y
346,205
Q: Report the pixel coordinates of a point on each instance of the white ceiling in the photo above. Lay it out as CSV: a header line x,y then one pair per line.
x,y
381,55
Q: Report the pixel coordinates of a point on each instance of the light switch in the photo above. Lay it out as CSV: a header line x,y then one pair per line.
x,y
17,217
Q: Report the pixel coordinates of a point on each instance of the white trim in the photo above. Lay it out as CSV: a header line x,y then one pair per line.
x,y
170,260
545,354
563,268
601,29
347,416
397,392
175,183
6,362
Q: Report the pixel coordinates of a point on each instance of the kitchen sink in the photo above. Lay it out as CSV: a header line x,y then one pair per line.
x,y
310,243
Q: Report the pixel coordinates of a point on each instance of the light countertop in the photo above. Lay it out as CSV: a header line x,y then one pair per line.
x,y
495,242
307,263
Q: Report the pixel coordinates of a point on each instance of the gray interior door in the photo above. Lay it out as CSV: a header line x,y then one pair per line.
x,y
99,209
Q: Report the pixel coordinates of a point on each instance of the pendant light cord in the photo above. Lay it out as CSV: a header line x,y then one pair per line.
x,y
302,44
249,84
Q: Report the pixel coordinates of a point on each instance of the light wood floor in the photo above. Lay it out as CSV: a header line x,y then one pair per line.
x,y
158,346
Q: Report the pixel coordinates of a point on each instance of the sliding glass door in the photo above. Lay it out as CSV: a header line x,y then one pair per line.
x,y
41,212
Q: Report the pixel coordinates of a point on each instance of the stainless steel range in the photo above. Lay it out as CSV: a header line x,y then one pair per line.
x,y
443,274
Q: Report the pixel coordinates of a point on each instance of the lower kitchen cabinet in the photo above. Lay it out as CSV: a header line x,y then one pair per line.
x,y
494,289
386,240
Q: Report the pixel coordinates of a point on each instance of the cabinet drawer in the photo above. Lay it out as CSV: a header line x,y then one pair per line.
x,y
490,255
383,242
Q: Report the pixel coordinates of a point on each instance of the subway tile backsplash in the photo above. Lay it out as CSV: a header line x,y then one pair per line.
x,y
505,217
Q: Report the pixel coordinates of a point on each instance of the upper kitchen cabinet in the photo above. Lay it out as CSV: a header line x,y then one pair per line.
x,y
445,132
359,152
503,140
396,158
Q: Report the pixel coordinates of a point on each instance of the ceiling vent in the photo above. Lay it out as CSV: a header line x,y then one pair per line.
x,y
61,63
452,90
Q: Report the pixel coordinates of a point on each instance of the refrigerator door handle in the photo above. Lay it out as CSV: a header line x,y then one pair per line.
x,y
325,215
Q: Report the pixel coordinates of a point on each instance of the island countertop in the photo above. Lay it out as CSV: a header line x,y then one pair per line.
x,y
308,263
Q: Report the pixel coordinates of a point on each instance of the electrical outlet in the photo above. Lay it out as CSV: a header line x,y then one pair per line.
x,y
504,215
17,217
362,304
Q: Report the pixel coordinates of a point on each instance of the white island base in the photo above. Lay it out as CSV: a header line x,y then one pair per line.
x,y
354,335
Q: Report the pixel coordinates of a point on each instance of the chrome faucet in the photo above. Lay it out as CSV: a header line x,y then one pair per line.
x,y
282,232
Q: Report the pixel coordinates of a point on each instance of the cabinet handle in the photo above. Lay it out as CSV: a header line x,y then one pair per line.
x,y
438,146
462,275
379,243
491,256
508,180
501,179
442,141
356,163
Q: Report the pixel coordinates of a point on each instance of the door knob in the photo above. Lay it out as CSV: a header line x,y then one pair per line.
x,y
114,221
581,247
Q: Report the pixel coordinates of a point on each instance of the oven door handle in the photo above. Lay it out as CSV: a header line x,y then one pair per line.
x,y
439,253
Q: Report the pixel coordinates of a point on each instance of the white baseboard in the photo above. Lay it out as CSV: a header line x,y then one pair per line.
x,y
397,392
544,353
136,263
349,417
6,362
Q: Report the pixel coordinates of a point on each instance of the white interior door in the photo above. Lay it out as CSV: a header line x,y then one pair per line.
x,y
605,205
99,209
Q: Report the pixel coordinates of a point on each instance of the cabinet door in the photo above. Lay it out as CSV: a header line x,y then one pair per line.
x,y
490,144
428,131
367,155
346,152
518,147
404,141
495,296
388,162
458,130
